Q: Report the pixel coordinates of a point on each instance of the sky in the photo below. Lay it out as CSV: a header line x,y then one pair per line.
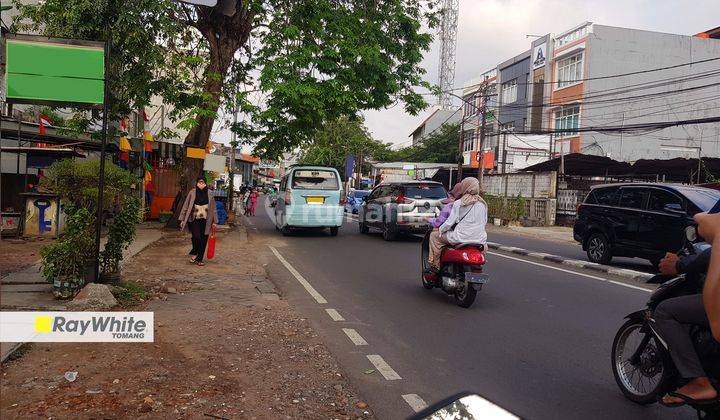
x,y
491,31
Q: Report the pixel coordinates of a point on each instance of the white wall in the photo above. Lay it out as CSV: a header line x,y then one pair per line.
x,y
614,50
521,183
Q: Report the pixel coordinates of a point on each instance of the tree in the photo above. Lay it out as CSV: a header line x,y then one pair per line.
x,y
313,61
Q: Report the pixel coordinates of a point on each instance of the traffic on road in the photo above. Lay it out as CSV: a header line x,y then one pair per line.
x,y
639,359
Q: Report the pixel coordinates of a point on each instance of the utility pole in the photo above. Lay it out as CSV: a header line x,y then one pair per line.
x,y
460,148
504,153
358,180
231,168
483,121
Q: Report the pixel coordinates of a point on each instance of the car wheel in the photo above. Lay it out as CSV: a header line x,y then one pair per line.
x,y
598,249
334,231
389,234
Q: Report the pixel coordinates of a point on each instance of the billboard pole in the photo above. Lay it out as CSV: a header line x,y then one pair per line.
x,y
101,180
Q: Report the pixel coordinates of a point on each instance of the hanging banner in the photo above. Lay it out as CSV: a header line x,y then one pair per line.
x,y
349,166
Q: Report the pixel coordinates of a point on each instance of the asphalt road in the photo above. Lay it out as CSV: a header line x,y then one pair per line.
x,y
536,342
568,250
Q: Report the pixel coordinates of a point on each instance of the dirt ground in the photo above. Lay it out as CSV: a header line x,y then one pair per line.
x,y
18,254
221,350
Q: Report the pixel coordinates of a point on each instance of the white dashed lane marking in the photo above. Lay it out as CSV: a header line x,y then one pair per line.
x,y
334,314
314,293
415,402
355,337
381,365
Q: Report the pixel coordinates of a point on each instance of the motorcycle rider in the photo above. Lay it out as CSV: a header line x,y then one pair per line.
x,y
673,318
466,223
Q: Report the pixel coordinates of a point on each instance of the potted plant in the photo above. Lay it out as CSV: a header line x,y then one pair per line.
x,y
64,261
120,235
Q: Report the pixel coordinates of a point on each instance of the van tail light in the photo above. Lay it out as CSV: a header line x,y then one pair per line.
x,y
288,195
342,198
578,206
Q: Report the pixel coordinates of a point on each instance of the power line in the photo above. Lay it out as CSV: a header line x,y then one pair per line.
x,y
690,63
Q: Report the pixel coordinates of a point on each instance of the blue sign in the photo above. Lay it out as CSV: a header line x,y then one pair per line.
x,y
349,166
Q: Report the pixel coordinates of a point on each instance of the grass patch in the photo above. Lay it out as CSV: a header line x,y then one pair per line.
x,y
130,293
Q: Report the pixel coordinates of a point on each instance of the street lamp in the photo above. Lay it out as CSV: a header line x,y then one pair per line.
x,y
698,149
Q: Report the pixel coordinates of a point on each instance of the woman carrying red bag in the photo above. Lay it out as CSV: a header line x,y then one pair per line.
x,y
199,215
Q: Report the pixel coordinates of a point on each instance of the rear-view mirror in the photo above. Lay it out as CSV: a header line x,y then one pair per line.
x,y
674,208
468,407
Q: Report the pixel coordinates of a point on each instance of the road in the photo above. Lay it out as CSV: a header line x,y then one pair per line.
x,y
563,249
536,341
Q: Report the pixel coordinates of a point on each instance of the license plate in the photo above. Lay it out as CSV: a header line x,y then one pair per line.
x,y
480,278
315,200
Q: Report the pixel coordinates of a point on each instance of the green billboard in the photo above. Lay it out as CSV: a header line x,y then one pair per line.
x,y
44,70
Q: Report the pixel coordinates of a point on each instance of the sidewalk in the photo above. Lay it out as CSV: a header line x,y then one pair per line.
x,y
225,346
27,290
552,233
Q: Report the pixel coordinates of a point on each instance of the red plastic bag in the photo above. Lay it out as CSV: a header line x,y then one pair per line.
x,y
211,244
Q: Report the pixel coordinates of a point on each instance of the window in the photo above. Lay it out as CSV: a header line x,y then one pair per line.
x,y
315,180
703,198
572,36
468,140
509,91
509,126
435,192
567,119
570,70
603,197
659,199
634,198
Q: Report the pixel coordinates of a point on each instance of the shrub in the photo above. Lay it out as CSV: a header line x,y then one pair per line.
x,y
120,235
67,257
77,182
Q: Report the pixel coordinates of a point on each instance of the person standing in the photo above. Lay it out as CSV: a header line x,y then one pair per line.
x,y
199,214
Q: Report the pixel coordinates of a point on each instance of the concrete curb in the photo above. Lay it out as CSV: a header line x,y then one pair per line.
x,y
613,271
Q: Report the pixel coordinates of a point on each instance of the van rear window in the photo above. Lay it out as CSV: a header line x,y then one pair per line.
x,y
315,180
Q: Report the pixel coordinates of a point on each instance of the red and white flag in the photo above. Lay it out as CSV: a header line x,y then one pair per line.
x,y
123,125
145,116
43,122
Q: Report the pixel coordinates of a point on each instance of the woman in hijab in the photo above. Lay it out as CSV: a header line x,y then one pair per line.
x,y
465,225
199,215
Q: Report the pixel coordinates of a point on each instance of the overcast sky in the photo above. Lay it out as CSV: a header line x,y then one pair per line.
x,y
491,31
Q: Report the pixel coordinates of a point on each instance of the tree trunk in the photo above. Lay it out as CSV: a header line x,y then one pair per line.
x,y
224,35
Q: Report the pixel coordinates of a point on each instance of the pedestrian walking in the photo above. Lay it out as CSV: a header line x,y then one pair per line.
x,y
253,201
199,215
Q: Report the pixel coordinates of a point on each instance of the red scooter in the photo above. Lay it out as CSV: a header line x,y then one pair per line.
x,y
461,271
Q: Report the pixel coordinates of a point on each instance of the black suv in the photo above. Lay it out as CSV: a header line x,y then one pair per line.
x,y
399,207
638,220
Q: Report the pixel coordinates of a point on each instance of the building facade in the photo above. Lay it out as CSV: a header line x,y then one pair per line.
x,y
438,117
589,85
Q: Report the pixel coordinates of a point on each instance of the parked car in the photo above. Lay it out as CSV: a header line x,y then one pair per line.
x,y
354,200
638,220
398,207
310,196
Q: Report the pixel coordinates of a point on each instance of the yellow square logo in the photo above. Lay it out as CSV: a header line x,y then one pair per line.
x,y
43,324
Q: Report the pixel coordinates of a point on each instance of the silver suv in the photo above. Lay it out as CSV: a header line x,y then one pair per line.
x,y
396,207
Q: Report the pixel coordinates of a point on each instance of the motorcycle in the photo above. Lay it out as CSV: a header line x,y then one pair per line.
x,y
461,271
641,363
